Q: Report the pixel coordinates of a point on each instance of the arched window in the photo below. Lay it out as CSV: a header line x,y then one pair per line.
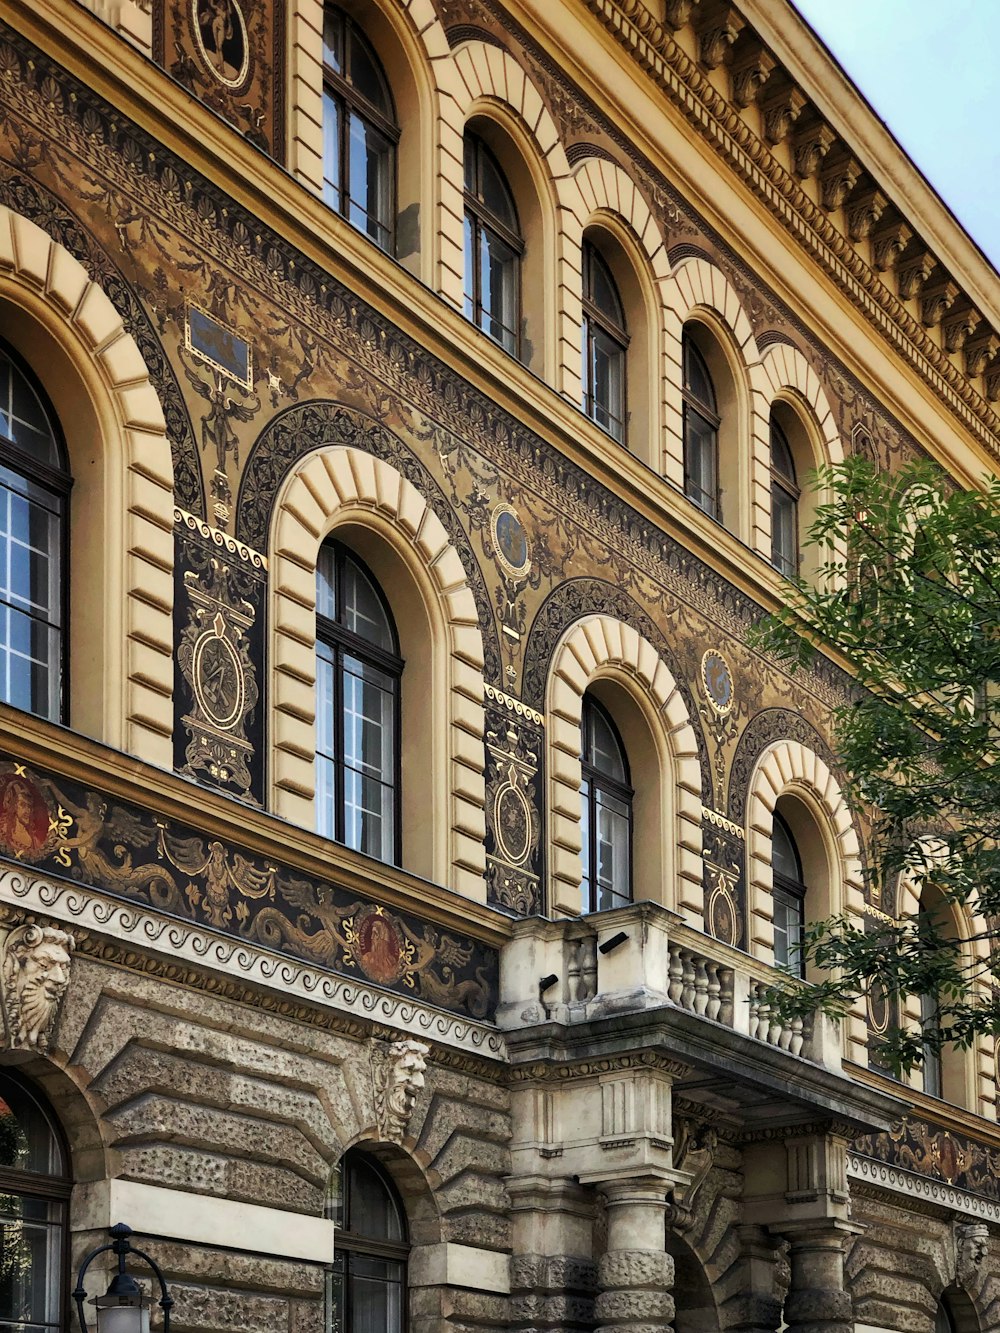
x,y
701,431
360,132
358,671
605,345
35,1194
34,500
606,812
789,899
367,1282
493,247
784,504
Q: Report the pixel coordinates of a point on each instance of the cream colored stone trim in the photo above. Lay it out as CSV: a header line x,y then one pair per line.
x,y
133,19
669,852
700,291
790,768
783,373
121,530
203,1219
449,1264
496,87
610,199
330,487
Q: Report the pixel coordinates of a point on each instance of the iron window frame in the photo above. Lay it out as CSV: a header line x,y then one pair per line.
x,y
482,218
592,314
708,412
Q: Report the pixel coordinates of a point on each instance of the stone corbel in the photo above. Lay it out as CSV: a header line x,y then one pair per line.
x,y
864,212
972,1251
719,24
397,1070
781,109
992,378
889,241
959,328
812,143
676,13
750,72
979,352
937,300
35,971
911,274
838,177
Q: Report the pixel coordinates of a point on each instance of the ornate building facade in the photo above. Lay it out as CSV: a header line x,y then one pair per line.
x,y
405,407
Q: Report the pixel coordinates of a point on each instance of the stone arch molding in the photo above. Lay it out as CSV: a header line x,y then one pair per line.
x,y
135,508
787,767
337,484
601,647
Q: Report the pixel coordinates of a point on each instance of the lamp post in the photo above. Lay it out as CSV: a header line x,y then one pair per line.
x,y
125,1307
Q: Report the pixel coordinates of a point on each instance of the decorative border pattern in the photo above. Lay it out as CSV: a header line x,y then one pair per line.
x,y
919,1187
91,911
222,539
513,705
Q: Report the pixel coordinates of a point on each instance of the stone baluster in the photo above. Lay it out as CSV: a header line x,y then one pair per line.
x,y
675,974
635,1275
700,1002
714,991
588,967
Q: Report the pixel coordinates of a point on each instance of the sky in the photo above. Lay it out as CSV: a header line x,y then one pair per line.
x,y
931,72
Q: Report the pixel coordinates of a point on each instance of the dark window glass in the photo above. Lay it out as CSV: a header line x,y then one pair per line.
x,y
701,431
359,130
605,813
34,1192
367,1283
493,247
358,671
34,493
605,341
930,1018
784,505
789,899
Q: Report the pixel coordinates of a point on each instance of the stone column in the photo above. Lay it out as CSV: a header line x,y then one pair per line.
x,y
817,1301
756,1306
635,1275
552,1275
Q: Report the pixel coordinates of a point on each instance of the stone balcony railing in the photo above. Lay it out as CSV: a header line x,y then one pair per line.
x,y
643,957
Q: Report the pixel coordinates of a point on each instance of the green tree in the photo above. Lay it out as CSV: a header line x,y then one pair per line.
x,y
908,594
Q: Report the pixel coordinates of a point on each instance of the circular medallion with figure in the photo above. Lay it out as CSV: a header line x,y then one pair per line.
x,y
217,676
220,33
510,540
717,681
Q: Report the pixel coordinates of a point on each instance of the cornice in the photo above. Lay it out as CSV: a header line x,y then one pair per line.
x,y
721,123
140,939
921,1188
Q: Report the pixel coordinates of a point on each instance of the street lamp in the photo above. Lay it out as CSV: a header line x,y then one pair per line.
x,y
125,1306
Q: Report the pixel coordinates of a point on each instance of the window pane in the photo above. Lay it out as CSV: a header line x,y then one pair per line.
x,y
606,381
612,851
588,871
788,922
326,752
374,1211
30,603
24,422
470,269
30,1267
369,747
700,461
333,39
697,380
375,1295
602,290
932,1058
498,283
332,113
365,75
784,532
604,752
370,161
493,191
27,1142
364,612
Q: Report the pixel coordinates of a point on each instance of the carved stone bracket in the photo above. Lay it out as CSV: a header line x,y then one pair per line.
x,y
937,300
719,25
979,351
959,328
911,274
812,143
889,241
972,1250
35,972
781,110
864,212
751,71
838,178
676,13
397,1077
